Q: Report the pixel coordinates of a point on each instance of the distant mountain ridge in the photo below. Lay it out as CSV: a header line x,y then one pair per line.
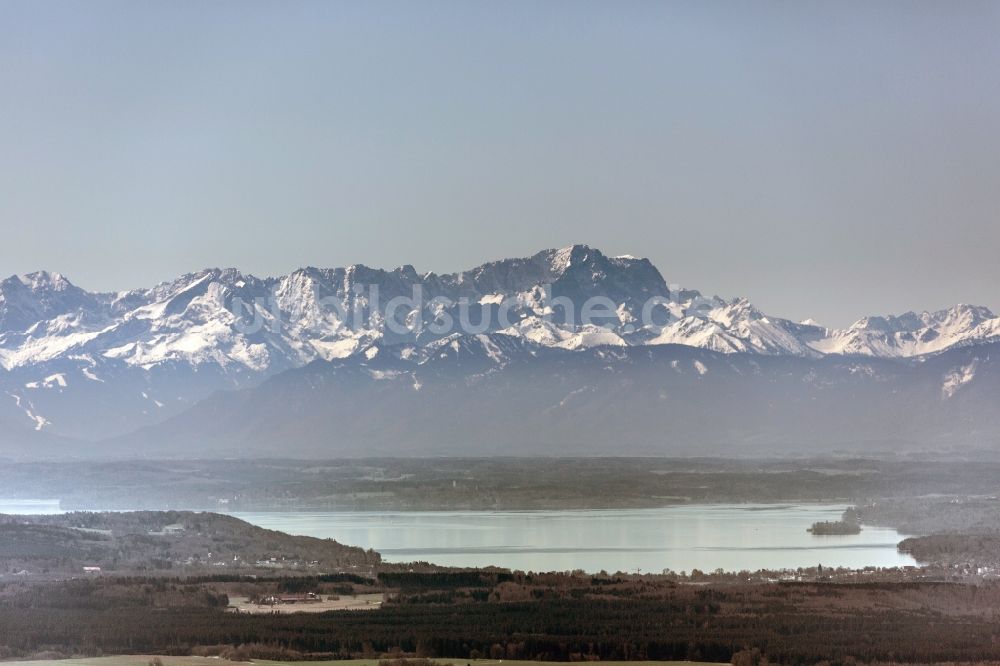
x,y
77,364
490,395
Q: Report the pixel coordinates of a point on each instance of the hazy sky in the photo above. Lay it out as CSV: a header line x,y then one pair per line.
x,y
826,159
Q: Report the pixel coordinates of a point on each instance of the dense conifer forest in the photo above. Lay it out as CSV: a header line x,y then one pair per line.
x,y
515,616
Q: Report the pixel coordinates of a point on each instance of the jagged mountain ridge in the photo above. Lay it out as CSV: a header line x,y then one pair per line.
x,y
92,365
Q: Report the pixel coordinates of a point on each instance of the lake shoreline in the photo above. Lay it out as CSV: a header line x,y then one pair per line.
x,y
679,538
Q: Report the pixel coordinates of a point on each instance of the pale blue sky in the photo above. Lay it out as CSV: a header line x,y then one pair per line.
x,y
827,159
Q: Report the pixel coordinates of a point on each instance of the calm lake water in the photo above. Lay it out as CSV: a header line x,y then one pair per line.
x,y
681,538
28,507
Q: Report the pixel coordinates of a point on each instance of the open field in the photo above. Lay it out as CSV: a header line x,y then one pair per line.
x,y
350,602
131,660
144,660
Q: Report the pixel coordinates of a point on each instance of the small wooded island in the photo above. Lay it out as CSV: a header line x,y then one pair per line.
x,y
848,524
834,527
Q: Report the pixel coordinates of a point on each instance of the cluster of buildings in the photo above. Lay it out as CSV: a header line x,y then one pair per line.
x,y
275,599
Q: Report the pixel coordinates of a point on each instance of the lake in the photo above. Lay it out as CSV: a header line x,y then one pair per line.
x,y
27,507
681,538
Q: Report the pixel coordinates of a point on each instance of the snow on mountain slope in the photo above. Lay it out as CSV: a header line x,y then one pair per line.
x,y
736,326
913,334
136,357
195,317
300,317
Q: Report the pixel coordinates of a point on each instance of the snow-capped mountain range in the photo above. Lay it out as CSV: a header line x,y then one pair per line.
x,y
89,365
